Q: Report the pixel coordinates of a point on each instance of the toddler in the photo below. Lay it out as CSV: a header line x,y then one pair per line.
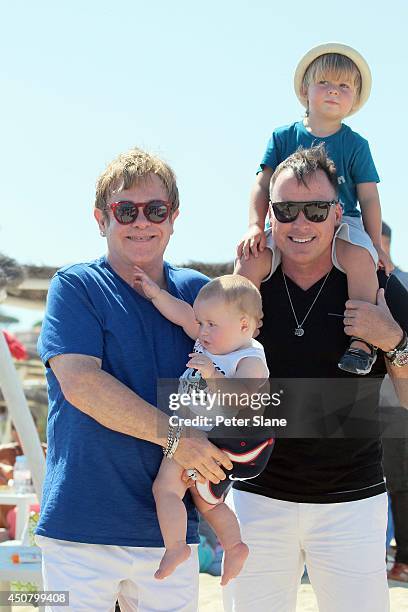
x,y
223,319
332,81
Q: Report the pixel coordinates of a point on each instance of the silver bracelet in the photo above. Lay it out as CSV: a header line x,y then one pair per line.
x,y
173,439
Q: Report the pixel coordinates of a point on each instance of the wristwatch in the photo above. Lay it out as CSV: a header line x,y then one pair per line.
x,y
399,356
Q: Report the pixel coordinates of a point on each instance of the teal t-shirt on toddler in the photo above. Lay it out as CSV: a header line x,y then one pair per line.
x,y
349,151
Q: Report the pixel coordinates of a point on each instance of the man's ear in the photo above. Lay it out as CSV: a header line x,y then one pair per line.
x,y
338,211
269,214
173,217
101,220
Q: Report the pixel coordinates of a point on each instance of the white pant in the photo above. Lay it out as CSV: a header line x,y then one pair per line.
x,y
96,575
342,544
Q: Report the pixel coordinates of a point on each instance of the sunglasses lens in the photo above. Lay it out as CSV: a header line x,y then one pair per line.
x,y
156,211
125,212
316,211
285,212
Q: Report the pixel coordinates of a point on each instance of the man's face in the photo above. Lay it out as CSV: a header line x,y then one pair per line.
x,y
142,242
304,242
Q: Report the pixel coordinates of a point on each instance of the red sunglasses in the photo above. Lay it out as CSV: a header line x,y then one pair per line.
x,y
126,212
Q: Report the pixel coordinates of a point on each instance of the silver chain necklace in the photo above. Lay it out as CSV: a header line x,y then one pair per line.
x,y
299,331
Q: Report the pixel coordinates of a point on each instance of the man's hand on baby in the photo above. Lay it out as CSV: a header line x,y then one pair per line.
x,y
194,451
142,281
254,241
384,260
203,364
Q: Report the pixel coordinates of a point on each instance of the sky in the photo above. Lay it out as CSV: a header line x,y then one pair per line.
x,y
202,85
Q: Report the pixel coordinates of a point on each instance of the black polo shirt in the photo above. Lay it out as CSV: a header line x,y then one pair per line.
x,y
325,468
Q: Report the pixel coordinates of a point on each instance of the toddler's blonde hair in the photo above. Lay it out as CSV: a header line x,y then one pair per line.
x,y
237,291
335,64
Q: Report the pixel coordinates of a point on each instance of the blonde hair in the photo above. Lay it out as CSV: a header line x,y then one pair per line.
x,y
131,168
338,65
234,290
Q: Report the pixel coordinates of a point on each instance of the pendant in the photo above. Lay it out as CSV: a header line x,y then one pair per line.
x,y
299,331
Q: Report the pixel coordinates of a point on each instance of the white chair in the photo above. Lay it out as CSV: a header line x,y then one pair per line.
x,y
19,411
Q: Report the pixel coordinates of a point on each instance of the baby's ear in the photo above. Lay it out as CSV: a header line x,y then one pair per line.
x,y
244,323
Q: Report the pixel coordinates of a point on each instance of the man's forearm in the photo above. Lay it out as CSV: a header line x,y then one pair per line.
x,y
112,404
399,378
398,375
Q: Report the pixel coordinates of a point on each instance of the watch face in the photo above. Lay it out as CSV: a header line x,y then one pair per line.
x,y
400,359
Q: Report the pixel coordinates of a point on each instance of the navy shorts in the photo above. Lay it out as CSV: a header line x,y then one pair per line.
x,y
249,458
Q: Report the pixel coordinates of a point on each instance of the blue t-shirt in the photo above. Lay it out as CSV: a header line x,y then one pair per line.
x,y
349,151
98,483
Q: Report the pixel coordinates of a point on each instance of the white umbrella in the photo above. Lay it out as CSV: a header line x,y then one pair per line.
x,y
21,416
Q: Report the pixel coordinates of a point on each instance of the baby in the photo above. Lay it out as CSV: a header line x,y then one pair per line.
x,y
223,320
332,81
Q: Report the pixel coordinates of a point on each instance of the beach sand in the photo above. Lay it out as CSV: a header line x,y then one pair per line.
x,y
211,599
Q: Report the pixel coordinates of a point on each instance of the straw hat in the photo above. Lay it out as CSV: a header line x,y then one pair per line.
x,y
342,50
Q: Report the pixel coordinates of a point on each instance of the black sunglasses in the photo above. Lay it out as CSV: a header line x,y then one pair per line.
x,y
286,212
125,211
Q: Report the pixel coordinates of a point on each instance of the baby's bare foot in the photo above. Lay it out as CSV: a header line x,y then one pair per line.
x,y
234,560
171,559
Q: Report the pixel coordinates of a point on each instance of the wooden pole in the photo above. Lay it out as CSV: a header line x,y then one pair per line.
x,y
19,411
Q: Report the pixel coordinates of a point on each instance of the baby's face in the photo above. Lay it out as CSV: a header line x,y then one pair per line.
x,y
223,328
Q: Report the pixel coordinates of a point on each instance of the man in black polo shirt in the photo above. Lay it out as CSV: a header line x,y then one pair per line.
x,y
395,452
321,500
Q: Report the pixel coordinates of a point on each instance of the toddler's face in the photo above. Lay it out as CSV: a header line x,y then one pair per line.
x,y
223,328
331,96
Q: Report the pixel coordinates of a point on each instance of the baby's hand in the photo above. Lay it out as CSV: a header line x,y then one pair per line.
x,y
203,364
384,260
142,281
253,240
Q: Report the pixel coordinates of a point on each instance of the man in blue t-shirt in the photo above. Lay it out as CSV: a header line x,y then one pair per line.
x,y
105,346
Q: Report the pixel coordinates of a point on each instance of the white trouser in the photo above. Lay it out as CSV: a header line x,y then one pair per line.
x,y
96,575
342,544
